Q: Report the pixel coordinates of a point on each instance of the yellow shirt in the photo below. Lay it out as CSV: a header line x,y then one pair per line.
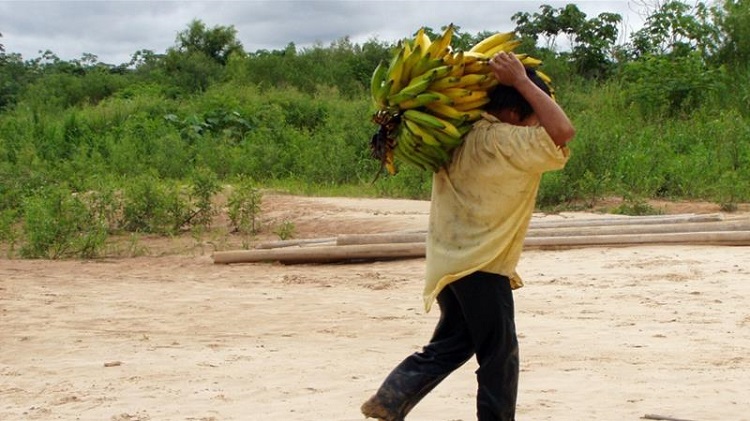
x,y
483,200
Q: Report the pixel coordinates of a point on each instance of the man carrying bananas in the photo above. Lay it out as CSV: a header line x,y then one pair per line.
x,y
482,203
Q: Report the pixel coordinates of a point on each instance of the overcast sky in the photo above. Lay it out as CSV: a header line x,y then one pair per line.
x,y
114,30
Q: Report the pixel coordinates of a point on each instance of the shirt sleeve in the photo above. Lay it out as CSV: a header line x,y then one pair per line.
x,y
527,148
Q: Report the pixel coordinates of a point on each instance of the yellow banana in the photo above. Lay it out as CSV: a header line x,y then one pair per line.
x,y
423,41
454,58
472,79
471,105
479,66
448,111
506,46
396,69
472,56
456,93
441,46
546,79
491,41
471,97
474,114
531,62
457,70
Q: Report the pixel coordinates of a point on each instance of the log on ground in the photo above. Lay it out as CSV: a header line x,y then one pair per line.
x,y
323,254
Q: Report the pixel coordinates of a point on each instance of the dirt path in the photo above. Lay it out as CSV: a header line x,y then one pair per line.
x,y
606,334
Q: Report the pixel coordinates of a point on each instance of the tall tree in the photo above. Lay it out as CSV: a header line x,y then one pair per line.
x,y
678,29
218,43
734,22
591,41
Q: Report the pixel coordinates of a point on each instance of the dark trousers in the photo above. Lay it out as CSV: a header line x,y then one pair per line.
x,y
476,318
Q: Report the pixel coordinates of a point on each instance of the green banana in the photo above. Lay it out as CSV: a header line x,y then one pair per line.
x,y
408,92
444,83
420,100
429,120
419,132
409,62
447,141
413,148
395,69
377,82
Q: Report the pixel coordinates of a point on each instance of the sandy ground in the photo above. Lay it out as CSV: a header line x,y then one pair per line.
x,y
605,333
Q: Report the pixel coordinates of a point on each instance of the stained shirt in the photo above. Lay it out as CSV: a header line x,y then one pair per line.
x,y
483,200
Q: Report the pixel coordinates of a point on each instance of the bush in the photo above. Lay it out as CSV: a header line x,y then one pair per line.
x,y
244,207
58,224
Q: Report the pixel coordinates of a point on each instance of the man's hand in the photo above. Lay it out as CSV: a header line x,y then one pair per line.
x,y
508,69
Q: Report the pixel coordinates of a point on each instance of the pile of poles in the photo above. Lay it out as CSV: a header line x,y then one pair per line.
x,y
685,229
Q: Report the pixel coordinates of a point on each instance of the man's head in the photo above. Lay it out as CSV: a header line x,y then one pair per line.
x,y
510,106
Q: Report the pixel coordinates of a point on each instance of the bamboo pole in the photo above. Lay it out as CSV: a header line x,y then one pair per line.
x,y
348,239
291,243
726,238
414,237
323,254
627,220
727,225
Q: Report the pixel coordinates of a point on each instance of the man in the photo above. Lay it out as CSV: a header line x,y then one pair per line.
x,y
481,207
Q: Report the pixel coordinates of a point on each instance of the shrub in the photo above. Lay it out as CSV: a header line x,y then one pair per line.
x,y
58,224
244,207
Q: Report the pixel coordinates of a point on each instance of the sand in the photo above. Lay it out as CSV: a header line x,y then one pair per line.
x,y
605,333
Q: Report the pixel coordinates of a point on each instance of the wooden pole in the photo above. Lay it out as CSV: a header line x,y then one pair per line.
x,y
291,243
727,238
323,254
627,220
415,237
347,239
729,225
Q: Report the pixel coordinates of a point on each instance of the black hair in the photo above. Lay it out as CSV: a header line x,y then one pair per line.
x,y
507,97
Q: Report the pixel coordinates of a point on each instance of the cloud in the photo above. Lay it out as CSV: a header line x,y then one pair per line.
x,y
114,30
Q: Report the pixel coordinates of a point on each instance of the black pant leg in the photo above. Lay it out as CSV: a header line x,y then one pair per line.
x,y
487,304
449,348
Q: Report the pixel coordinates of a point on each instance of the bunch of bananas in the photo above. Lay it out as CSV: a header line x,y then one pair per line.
x,y
428,96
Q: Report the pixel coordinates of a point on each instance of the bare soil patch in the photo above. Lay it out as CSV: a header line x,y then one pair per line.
x,y
605,333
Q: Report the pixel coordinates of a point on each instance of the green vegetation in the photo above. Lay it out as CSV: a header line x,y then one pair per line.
x,y
89,150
